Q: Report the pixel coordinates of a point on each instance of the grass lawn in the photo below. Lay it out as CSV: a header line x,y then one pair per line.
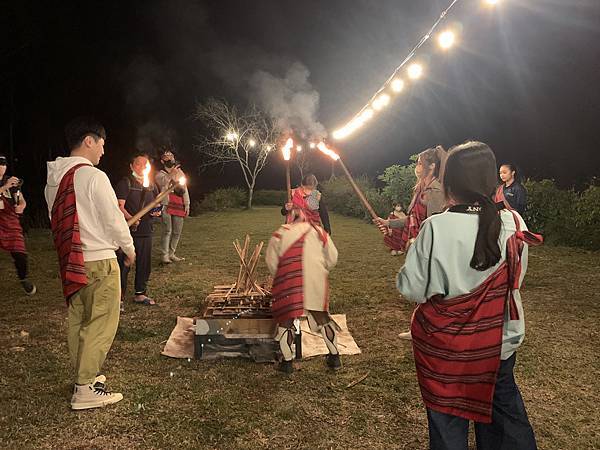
x,y
241,404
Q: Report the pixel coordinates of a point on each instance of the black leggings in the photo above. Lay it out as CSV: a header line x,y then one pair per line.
x,y
20,260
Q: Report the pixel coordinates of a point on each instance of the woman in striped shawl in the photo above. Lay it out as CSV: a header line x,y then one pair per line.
x,y
464,271
300,255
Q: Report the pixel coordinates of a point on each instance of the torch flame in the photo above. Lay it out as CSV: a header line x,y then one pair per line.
x,y
333,155
146,173
287,149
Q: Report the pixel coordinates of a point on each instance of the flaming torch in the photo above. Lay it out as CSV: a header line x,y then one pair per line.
x,y
333,155
145,183
287,154
172,185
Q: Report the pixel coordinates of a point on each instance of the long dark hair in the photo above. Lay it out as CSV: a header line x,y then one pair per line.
x,y
436,155
470,177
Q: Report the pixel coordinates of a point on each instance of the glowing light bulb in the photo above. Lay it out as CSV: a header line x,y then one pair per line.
x,y
397,85
366,115
415,71
381,101
446,39
298,148
251,142
341,133
311,145
231,136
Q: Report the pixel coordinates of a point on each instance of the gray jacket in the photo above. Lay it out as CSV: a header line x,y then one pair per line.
x,y
433,198
162,181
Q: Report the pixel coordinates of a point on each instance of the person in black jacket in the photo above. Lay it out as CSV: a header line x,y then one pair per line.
x,y
511,191
132,197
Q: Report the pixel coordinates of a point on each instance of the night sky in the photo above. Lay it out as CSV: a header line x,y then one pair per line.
x,y
524,78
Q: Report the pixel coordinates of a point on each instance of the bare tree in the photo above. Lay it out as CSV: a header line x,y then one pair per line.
x,y
302,160
247,138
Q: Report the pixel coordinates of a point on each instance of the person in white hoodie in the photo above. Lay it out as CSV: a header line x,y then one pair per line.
x,y
88,228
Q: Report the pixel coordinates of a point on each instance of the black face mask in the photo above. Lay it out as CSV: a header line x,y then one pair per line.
x,y
169,163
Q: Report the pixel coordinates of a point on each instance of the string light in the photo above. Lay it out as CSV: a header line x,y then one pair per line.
x,y
298,148
381,101
415,71
251,142
446,40
312,145
397,85
231,136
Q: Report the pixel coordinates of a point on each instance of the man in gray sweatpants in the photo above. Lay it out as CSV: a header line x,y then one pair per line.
x,y
176,206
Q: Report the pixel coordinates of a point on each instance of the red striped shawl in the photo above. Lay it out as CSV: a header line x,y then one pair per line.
x,y
11,233
176,206
67,241
457,342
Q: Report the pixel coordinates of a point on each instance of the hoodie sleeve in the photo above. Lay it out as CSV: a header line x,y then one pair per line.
x,y
108,209
414,279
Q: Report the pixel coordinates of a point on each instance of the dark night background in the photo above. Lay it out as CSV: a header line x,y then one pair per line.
x,y
523,79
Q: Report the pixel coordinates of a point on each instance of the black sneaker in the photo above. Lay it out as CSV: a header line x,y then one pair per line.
x,y
286,367
28,287
334,362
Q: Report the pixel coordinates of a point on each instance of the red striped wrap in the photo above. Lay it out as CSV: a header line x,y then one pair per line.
x,y
394,241
11,233
299,201
288,285
417,213
176,206
67,241
457,342
499,197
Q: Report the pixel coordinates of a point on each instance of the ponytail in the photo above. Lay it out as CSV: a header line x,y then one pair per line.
x,y
487,251
441,156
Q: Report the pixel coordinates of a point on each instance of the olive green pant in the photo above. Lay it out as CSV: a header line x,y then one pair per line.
x,y
94,318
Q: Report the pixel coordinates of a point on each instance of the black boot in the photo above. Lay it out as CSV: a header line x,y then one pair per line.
x,y
286,366
334,362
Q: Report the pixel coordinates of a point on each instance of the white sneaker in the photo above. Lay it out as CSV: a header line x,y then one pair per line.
x,y
393,253
87,397
176,258
405,336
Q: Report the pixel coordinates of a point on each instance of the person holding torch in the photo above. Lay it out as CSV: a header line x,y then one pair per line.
x,y
175,207
134,192
428,199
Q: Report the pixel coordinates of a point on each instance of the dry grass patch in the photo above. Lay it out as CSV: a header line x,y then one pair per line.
x,y
237,404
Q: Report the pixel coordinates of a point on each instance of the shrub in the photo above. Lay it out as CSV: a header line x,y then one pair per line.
x,y
587,218
550,211
269,197
341,198
563,216
226,198
399,182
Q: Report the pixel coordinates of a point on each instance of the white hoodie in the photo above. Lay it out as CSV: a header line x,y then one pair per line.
x,y
102,226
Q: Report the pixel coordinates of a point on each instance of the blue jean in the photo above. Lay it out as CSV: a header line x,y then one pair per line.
x,y
510,428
